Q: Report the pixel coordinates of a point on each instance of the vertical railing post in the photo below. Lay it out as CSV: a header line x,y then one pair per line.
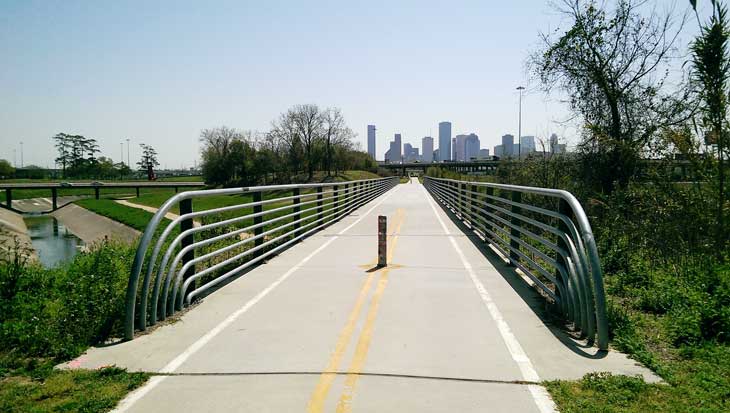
x,y
563,208
336,206
9,197
54,198
96,192
298,209
258,208
516,197
487,219
186,207
462,201
319,204
137,188
473,202
346,198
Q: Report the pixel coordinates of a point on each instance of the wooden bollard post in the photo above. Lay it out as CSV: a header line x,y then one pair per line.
x,y
382,240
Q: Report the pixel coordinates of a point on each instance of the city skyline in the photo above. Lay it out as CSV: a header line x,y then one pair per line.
x,y
163,83
465,146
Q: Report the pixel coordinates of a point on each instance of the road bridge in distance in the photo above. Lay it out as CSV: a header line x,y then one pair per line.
x,y
56,201
681,169
447,325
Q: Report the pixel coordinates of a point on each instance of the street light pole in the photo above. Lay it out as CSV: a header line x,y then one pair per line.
x,y
129,165
519,125
21,154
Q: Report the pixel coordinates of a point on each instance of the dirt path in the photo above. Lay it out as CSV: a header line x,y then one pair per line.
x,y
153,210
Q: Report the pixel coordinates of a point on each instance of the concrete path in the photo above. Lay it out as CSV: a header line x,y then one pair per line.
x,y
91,227
445,327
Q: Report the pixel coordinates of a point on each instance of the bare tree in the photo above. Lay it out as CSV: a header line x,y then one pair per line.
x,y
336,134
608,64
301,126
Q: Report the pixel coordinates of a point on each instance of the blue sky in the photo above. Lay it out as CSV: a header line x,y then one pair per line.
x,y
159,72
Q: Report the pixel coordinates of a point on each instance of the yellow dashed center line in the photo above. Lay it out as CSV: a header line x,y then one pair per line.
x,y
316,403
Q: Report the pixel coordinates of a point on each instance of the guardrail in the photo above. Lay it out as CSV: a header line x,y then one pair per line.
x,y
551,231
231,238
56,187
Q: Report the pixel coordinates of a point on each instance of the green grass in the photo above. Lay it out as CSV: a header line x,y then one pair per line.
x,y
673,318
697,381
67,391
357,175
49,315
133,217
196,178
158,198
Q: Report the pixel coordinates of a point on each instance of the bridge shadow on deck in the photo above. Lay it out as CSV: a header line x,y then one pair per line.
x,y
539,305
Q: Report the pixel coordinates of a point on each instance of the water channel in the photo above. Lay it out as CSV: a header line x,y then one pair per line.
x,y
54,243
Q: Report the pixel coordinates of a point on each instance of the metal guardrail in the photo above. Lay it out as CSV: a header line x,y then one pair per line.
x,y
550,232
56,187
231,239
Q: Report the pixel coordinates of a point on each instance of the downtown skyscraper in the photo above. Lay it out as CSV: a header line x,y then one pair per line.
x,y
371,141
444,141
427,149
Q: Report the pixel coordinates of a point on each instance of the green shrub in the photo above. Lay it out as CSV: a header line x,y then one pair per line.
x,y
59,312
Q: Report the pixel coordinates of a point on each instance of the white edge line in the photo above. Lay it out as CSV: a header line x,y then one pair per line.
x,y
133,397
539,393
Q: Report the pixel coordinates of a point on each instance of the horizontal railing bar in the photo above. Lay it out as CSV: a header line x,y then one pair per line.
x,y
346,191
266,254
247,252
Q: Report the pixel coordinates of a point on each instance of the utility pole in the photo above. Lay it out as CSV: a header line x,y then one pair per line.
x,y
21,154
519,125
129,165
121,152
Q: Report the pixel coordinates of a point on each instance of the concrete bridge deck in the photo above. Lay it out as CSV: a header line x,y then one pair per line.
x,y
447,326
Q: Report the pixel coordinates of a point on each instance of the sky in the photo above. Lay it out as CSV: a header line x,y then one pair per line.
x,y
160,72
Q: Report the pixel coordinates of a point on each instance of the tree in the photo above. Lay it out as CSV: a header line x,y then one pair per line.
x,y
607,63
710,74
63,146
6,169
301,125
148,161
227,156
76,154
336,135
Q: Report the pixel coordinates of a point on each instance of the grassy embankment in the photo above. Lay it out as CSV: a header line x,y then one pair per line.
x,y
51,315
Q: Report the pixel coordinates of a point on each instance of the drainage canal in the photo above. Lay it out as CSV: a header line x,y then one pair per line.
x,y
53,242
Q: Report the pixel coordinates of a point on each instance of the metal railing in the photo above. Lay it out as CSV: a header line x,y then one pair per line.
x,y
548,238
259,223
